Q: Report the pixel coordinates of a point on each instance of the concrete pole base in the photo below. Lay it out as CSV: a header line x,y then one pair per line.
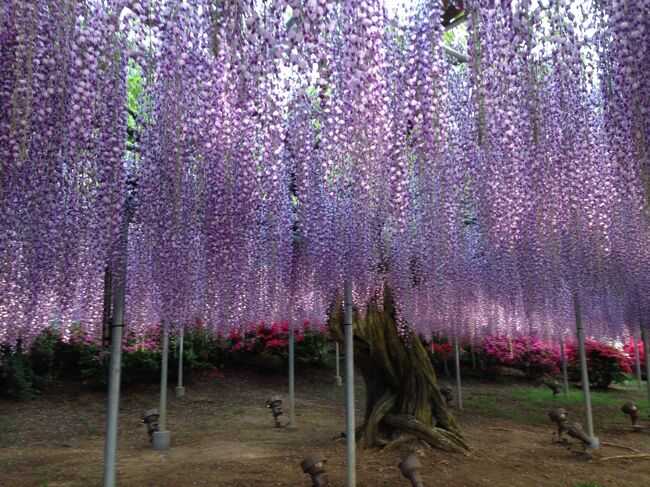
x,y
179,391
339,381
161,440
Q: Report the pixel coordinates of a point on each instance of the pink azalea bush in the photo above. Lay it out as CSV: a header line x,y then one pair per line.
x,y
442,350
629,350
533,356
312,342
605,363
439,353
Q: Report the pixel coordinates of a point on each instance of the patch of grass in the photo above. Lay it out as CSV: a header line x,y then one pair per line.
x,y
43,480
8,425
528,404
542,397
587,484
231,411
91,428
7,429
493,406
482,403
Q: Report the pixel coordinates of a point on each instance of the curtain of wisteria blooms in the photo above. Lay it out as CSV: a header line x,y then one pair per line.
x,y
283,146
557,199
62,133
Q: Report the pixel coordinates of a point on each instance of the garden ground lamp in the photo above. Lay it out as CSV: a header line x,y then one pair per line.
x,y
575,431
559,417
447,394
632,411
314,465
410,468
150,418
275,403
554,386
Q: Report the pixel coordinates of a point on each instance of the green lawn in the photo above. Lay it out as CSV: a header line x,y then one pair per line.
x,y
529,404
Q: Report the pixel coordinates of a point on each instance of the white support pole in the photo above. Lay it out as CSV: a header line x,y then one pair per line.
x,y
646,356
292,382
637,361
339,380
565,375
115,364
350,433
583,370
180,390
162,436
459,390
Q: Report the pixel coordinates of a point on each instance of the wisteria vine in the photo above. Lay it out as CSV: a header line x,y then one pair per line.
x,y
280,147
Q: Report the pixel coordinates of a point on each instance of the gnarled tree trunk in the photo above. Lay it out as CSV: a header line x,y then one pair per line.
x,y
402,398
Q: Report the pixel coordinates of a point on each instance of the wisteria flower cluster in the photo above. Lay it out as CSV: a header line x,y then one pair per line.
x,y
258,154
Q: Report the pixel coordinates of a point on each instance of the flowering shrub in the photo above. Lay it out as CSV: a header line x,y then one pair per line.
x,y
312,343
80,357
493,352
605,363
149,342
534,357
439,354
629,350
17,378
440,350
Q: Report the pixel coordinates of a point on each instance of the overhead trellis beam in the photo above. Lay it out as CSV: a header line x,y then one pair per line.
x,y
456,22
459,56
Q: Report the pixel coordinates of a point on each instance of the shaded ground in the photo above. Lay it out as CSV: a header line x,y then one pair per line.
x,y
223,435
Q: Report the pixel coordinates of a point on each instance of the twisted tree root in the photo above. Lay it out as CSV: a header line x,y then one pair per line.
x,y
436,437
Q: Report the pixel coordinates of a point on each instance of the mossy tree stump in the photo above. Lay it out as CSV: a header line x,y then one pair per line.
x,y
403,402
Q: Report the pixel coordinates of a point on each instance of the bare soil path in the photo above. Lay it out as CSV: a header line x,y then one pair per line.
x,y
223,435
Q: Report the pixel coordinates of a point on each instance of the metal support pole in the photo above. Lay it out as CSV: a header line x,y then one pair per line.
x,y
646,356
350,434
637,361
161,437
115,364
459,391
180,390
339,380
583,369
565,375
292,373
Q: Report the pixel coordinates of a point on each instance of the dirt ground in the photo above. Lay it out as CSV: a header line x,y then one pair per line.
x,y
223,435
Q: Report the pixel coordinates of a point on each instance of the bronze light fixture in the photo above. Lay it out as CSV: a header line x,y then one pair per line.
x,y
575,431
447,394
554,386
632,411
410,468
314,465
275,404
150,418
559,417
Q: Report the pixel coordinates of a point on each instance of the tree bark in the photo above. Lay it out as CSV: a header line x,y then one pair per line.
x,y
402,397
